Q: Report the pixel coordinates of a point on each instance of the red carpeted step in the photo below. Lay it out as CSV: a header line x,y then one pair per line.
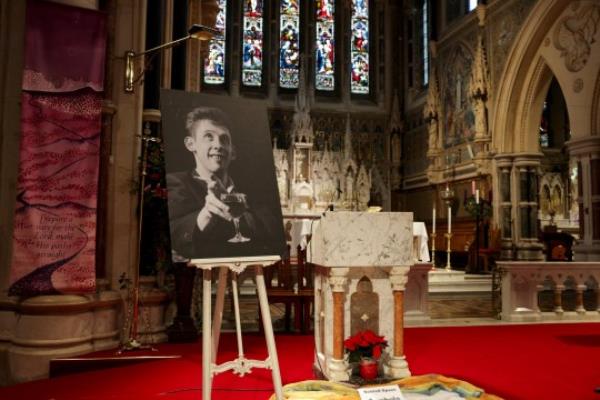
x,y
516,362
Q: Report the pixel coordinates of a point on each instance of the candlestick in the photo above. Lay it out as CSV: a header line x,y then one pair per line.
x,y
448,251
433,235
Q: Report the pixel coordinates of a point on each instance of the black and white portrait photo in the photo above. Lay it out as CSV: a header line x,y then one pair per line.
x,y
222,190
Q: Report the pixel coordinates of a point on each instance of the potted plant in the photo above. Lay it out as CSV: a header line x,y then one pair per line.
x,y
365,348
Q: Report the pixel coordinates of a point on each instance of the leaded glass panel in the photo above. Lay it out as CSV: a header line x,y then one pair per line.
x,y
252,43
289,44
214,64
325,45
359,48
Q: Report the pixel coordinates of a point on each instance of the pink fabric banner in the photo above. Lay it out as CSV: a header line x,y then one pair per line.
x,y
54,239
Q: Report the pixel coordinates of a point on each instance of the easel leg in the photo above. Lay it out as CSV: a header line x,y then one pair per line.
x,y
218,315
206,333
268,327
238,324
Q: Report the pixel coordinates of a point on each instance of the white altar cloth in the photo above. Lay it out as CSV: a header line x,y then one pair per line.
x,y
421,242
300,234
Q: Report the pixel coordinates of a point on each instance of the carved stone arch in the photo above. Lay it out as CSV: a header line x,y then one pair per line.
x,y
523,84
592,282
557,196
545,197
525,135
570,282
364,307
595,114
548,283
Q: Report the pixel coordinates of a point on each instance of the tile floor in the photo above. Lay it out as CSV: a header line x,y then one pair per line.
x,y
444,309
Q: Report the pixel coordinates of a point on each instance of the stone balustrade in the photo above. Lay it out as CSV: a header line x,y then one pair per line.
x,y
550,291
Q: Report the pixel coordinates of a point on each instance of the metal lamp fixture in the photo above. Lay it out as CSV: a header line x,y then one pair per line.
x,y
196,31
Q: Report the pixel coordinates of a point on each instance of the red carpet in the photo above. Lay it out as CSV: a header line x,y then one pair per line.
x,y
560,361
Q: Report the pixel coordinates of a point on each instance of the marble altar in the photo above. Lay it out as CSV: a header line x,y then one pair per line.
x,y
361,262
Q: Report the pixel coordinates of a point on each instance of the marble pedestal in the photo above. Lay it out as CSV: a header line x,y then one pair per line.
x,y
361,262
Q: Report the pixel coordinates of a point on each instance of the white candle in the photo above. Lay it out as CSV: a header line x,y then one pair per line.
x,y
472,187
477,196
433,227
449,220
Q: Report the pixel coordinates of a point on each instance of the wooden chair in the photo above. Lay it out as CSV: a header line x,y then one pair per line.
x,y
306,292
283,291
489,250
290,282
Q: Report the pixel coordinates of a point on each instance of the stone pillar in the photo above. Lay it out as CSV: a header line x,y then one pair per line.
x,y
396,366
338,370
525,196
12,28
398,323
586,152
558,291
503,205
579,308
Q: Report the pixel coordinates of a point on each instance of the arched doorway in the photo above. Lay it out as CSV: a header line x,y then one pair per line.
x,y
558,209
542,64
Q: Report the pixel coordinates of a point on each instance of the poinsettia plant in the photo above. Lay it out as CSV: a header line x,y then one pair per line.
x,y
364,344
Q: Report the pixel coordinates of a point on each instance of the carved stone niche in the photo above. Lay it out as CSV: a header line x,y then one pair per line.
x,y
364,307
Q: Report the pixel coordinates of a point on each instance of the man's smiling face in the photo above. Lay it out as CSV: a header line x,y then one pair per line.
x,y
212,148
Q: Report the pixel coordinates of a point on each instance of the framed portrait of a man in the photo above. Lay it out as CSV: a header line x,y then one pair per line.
x,y
222,190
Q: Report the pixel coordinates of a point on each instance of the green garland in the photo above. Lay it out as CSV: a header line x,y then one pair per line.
x,y
482,210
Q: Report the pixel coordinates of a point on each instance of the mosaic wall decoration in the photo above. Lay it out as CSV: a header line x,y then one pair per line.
x,y
458,118
502,31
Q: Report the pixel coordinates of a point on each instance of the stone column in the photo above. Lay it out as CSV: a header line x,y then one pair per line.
x,y
580,309
12,27
337,367
396,366
503,205
586,152
558,291
525,189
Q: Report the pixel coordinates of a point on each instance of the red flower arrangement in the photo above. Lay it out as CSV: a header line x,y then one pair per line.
x,y
364,344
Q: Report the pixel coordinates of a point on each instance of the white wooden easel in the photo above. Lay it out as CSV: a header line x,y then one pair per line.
x,y
241,365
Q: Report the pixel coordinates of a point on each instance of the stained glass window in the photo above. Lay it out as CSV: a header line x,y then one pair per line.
x,y
472,5
359,54
214,64
289,44
252,43
325,45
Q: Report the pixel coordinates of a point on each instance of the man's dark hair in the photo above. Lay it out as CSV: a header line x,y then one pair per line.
x,y
215,115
